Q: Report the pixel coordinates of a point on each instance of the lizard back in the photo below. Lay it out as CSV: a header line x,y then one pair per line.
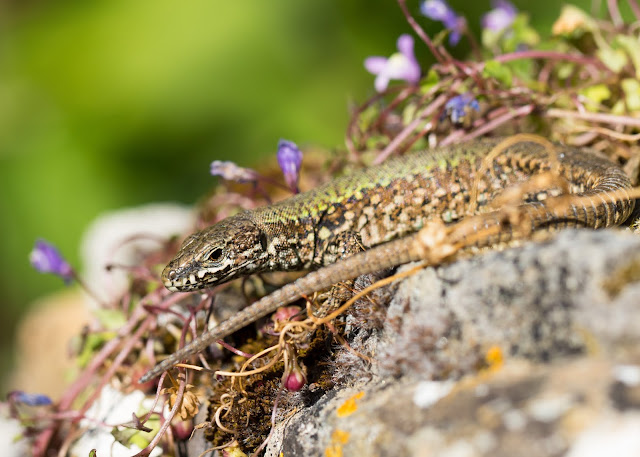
x,y
396,198
375,205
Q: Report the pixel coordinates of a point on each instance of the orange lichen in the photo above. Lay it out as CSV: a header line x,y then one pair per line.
x,y
494,358
349,406
338,438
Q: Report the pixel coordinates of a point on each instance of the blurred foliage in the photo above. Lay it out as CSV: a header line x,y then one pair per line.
x,y
109,104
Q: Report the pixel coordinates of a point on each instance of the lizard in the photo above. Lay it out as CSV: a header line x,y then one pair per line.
x,y
381,217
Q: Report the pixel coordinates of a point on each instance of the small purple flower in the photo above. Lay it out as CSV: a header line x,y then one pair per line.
x,y
402,65
457,108
500,17
24,398
232,172
439,10
290,160
46,259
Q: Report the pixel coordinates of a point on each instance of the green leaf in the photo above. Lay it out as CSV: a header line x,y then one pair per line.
x,y
111,319
615,59
632,46
523,33
595,95
374,142
142,439
517,34
631,88
152,285
439,38
494,69
124,435
367,116
620,109
408,113
429,81
565,69
523,70
91,344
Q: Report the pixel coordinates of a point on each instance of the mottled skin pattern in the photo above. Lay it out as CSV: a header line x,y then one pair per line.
x,y
372,207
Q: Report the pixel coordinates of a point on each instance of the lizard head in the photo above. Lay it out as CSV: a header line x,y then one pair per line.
x,y
227,250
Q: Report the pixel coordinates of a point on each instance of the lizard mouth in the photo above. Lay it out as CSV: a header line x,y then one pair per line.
x,y
186,281
183,284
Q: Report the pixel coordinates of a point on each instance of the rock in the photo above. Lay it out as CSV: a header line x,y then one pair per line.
x,y
529,351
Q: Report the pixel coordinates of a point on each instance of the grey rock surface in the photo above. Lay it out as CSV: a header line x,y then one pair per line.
x,y
529,351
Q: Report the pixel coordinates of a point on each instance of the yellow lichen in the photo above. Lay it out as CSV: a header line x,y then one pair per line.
x,y
349,406
494,358
338,438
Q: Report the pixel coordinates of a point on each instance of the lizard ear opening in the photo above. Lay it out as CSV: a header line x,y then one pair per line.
x,y
264,242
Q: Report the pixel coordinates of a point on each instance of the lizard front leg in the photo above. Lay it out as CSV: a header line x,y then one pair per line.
x,y
340,246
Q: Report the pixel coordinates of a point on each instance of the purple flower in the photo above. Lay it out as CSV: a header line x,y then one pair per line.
x,y
439,10
19,396
500,17
290,160
232,172
458,107
46,259
401,65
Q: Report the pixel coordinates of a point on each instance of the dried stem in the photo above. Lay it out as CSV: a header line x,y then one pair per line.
x,y
595,117
178,402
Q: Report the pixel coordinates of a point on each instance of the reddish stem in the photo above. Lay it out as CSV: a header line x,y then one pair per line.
x,y
635,8
228,347
614,12
42,440
117,362
419,31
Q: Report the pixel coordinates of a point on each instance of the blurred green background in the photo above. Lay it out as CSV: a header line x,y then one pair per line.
x,y
110,104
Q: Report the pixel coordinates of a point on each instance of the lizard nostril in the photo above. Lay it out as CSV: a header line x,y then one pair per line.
x,y
172,275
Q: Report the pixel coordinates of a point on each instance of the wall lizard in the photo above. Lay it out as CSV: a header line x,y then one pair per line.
x,y
387,206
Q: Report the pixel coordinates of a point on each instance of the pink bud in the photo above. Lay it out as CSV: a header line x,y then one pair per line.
x,y
286,313
295,380
295,376
182,429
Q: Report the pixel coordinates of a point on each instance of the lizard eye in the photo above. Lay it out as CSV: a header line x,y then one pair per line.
x,y
212,255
